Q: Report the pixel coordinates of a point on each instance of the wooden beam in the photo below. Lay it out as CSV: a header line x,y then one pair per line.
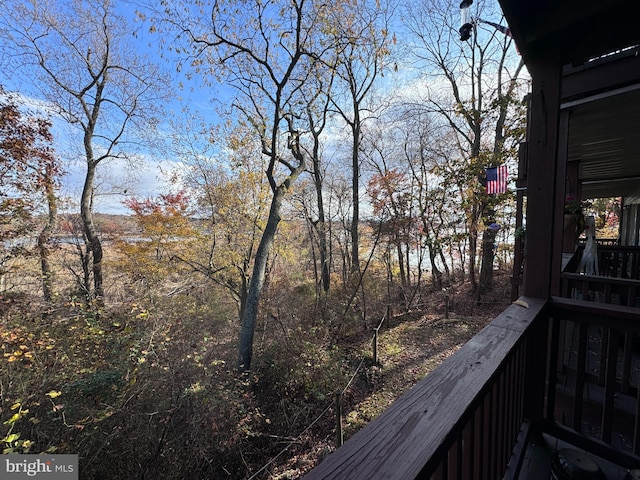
x,y
588,80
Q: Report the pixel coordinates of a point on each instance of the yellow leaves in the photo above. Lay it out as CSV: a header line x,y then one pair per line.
x,y
11,438
21,352
195,388
55,394
16,416
18,345
15,445
13,419
27,444
141,312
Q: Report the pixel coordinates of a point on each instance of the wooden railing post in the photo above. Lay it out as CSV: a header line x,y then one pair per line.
x,y
339,435
376,332
446,306
375,345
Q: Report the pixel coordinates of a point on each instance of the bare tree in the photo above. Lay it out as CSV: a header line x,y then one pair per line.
x,y
317,115
266,51
476,85
365,35
78,55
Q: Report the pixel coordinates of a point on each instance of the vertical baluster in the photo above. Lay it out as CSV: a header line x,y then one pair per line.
x,y
478,438
624,268
486,436
495,414
454,472
603,355
556,363
626,362
610,385
468,466
499,423
581,367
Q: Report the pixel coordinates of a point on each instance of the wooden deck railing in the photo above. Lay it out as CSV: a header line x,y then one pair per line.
x,y
593,288
619,261
618,282
467,419
615,261
565,367
593,375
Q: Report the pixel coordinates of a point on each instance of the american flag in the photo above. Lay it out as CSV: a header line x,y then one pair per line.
x,y
497,179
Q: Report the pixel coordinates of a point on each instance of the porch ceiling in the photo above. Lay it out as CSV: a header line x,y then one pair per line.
x,y
604,137
604,133
572,31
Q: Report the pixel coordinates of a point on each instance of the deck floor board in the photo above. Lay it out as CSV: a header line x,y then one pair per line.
x,y
537,461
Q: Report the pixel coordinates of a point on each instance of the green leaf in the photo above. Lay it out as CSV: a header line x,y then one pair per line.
x,y
11,438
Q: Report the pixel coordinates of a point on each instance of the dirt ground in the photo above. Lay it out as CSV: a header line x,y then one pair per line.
x,y
412,345
409,347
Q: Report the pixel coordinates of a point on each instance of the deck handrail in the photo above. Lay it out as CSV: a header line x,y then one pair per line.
x,y
611,313
611,290
463,420
615,261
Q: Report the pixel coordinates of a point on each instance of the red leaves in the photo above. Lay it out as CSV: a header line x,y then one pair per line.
x,y
28,166
389,191
168,205
26,158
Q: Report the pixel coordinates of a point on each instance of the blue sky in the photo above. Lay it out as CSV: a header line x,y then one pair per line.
x,y
117,179
146,178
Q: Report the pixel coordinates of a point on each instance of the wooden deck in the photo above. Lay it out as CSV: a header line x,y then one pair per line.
x,y
565,369
461,421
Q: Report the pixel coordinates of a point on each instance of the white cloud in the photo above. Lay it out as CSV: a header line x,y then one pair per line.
x,y
118,179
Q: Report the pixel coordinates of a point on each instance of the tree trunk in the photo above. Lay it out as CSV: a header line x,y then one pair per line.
x,y
436,274
91,236
324,256
486,271
320,225
44,237
355,186
250,313
401,265
445,265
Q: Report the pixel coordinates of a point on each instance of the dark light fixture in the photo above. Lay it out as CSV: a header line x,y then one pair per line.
x,y
465,29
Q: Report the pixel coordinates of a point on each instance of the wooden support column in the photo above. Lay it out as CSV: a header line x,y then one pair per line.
x,y
542,173
563,172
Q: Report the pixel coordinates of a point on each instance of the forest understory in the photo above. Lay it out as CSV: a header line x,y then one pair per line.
x,y
150,389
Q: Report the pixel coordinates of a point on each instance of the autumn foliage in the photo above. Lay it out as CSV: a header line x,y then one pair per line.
x,y
29,173
165,230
